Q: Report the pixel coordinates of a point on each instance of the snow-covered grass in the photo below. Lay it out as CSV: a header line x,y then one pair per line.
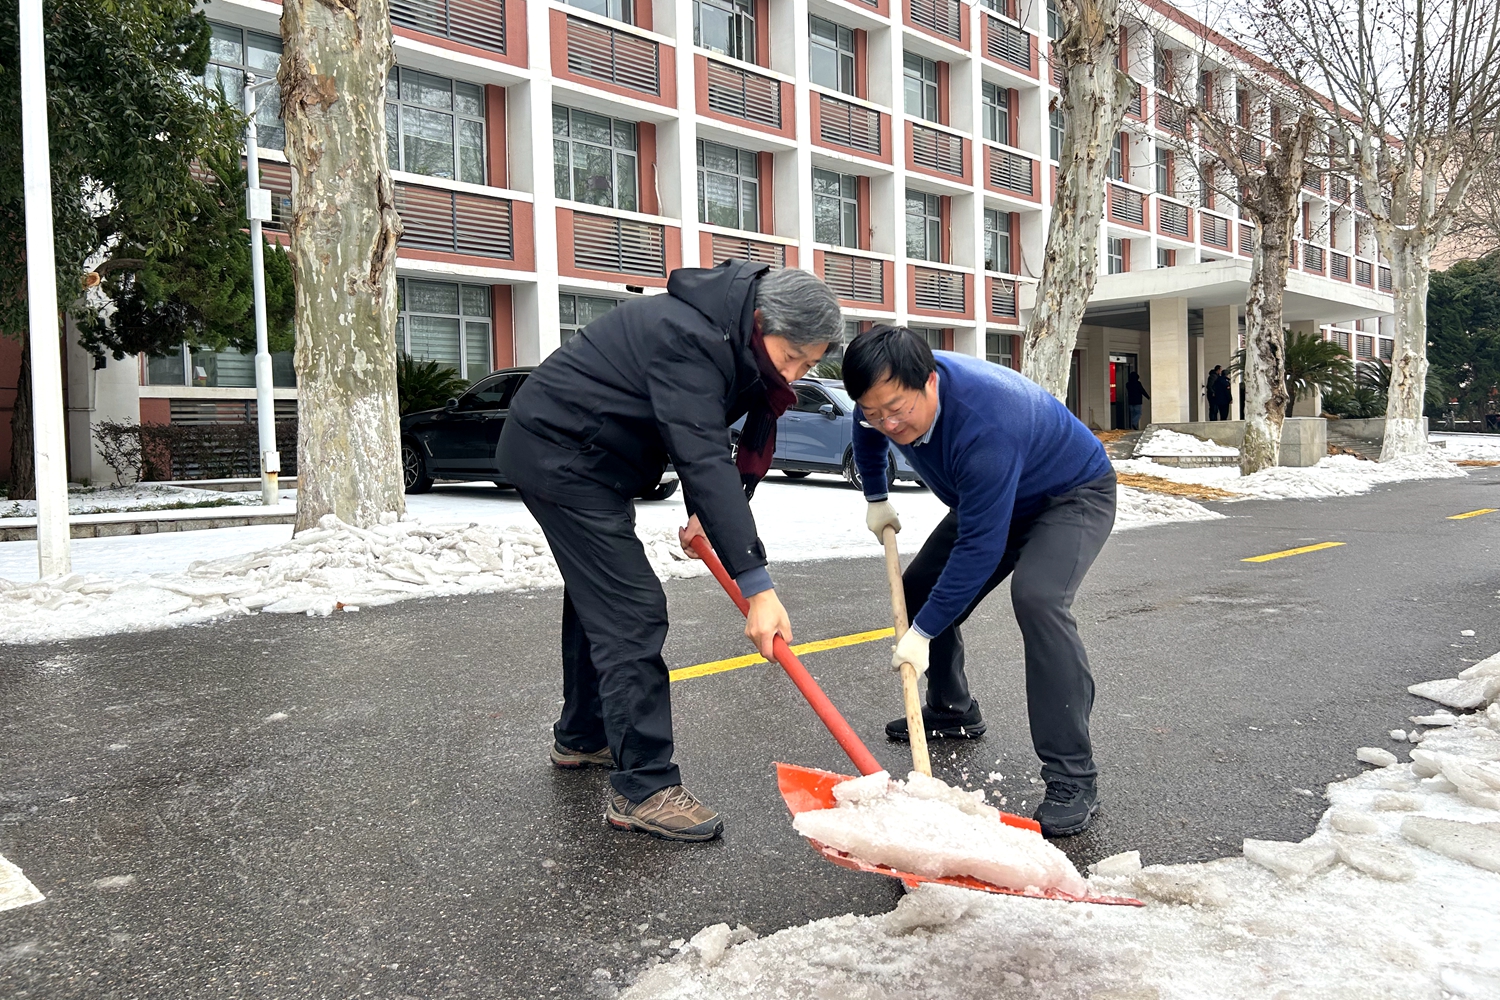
x,y
1396,894
1468,447
141,496
1334,476
459,540
1166,442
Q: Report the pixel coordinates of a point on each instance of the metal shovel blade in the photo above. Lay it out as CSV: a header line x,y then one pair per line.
x,y
808,788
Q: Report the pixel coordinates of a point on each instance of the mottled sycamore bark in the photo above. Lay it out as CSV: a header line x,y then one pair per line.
x,y
1094,95
336,54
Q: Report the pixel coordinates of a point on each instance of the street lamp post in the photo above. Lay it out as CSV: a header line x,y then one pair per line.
x,y
258,210
49,441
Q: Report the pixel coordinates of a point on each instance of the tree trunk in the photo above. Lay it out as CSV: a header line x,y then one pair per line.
x,y
343,232
1265,345
1410,269
1094,97
22,449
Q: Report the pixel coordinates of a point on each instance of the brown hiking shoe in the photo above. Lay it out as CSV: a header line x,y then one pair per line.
x,y
672,814
570,760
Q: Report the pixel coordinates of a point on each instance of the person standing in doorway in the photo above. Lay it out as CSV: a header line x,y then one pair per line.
x,y
1210,392
1135,391
1223,394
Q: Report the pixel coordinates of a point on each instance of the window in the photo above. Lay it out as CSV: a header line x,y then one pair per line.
x,y
1164,173
1055,25
1364,347
578,311
999,349
217,369
1165,257
726,26
1209,194
997,241
997,113
445,322
1387,349
1116,256
933,337
1163,69
811,399
1242,107
1055,132
728,187
1206,91
831,55
232,53
835,208
594,158
924,226
492,393
619,10
1119,158
920,80
434,126
1275,113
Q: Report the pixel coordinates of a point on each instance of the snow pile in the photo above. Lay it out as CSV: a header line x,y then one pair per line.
x,y
927,827
1140,508
1395,894
1467,447
141,496
1334,476
334,566
1166,442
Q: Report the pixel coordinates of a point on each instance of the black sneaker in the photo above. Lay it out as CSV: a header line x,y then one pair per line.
x,y
1069,807
945,725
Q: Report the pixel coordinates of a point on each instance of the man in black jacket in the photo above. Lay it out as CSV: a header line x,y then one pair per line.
x,y
659,379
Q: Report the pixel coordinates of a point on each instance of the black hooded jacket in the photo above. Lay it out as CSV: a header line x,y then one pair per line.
x,y
658,379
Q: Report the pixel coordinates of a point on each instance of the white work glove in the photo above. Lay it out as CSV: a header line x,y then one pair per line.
x,y
911,649
878,516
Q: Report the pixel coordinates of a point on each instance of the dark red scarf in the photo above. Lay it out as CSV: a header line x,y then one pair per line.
x,y
757,442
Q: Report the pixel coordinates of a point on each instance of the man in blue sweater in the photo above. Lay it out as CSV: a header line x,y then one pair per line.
x,y
1031,496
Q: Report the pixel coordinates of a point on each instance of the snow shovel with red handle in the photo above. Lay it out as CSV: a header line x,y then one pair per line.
x,y
806,788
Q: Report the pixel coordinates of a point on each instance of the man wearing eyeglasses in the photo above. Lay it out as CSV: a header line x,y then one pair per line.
x,y
1031,496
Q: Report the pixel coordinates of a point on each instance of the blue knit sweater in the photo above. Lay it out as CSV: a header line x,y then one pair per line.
x,y
1001,445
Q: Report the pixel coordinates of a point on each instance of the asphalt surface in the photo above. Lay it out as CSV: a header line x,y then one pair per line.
x,y
362,805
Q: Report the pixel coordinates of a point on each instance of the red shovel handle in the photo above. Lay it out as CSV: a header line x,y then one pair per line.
x,y
856,750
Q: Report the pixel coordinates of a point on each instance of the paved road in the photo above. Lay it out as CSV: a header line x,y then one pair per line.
x,y
362,805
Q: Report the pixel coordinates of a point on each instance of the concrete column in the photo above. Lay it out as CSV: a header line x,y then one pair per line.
x,y
1309,404
1221,341
535,306
1197,377
1167,372
1094,400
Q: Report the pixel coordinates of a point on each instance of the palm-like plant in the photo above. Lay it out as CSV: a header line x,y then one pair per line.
x,y
425,385
1312,362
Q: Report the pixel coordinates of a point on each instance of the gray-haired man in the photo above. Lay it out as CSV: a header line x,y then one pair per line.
x,y
659,379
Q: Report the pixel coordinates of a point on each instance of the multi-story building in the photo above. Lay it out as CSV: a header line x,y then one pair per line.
x,y
553,159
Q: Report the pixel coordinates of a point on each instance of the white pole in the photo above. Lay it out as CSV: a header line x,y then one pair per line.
x,y
258,209
49,441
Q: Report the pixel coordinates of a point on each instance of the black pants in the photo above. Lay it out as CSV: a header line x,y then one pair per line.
x,y
614,622
1046,558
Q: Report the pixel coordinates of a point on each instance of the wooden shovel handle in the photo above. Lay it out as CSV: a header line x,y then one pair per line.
x,y
916,729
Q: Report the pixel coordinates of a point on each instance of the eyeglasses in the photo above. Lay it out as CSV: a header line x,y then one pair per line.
x,y
874,421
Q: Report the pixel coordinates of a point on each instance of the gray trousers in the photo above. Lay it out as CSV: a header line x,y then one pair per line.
x,y
1047,556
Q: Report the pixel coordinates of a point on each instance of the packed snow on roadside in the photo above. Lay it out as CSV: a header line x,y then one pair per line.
x,y
927,827
141,496
1334,476
1165,443
1467,447
1395,894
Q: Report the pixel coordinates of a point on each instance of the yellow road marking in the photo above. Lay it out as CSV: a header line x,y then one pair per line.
x,y
1474,513
801,649
1293,552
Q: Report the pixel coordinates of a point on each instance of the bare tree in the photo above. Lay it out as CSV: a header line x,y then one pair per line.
x,y
1416,89
1093,98
1264,153
344,228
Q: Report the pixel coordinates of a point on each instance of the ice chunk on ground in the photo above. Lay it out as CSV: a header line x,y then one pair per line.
x,y
1291,860
1346,820
1376,756
1477,781
1126,863
1378,860
915,827
712,942
1396,802
1474,843
1470,983
1398,734
1435,719
928,906
1425,763
1487,667
1183,885
1457,692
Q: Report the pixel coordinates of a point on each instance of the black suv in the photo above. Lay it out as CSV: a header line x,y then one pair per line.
x,y
460,440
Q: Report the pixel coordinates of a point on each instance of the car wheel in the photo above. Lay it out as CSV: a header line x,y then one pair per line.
x,y
795,473
851,473
661,490
413,470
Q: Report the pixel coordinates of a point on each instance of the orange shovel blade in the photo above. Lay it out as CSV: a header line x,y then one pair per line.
x,y
808,788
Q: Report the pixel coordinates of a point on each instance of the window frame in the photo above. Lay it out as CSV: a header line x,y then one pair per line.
x,y
997,113
616,153
400,105
465,319
1115,259
846,58
745,185
270,127
927,89
569,329
741,15
848,206
999,234
616,10
1056,126
931,215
